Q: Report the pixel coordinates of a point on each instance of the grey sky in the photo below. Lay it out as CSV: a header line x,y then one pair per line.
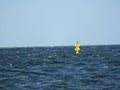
x,y
59,22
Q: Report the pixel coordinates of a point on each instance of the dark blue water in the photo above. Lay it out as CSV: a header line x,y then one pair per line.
x,y
59,68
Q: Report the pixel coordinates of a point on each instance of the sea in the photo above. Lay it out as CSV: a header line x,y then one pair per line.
x,y
60,68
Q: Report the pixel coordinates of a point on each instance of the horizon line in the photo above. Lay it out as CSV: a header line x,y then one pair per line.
x,y
58,46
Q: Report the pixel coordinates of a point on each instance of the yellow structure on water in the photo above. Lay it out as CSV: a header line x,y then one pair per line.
x,y
77,47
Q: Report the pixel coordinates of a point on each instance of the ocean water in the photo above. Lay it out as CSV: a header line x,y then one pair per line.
x,y
59,68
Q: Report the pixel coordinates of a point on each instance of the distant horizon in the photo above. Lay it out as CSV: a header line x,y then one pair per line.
x,y
59,46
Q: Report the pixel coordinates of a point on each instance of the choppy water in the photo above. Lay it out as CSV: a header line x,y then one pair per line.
x,y
59,68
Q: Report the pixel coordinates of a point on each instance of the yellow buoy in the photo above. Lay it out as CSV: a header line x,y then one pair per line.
x,y
77,47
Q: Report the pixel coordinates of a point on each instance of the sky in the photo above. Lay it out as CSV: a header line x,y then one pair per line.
x,y
59,22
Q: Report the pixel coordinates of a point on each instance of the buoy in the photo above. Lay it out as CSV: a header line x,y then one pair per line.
x,y
77,47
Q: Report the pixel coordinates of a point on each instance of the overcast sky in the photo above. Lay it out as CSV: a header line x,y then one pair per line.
x,y
59,22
